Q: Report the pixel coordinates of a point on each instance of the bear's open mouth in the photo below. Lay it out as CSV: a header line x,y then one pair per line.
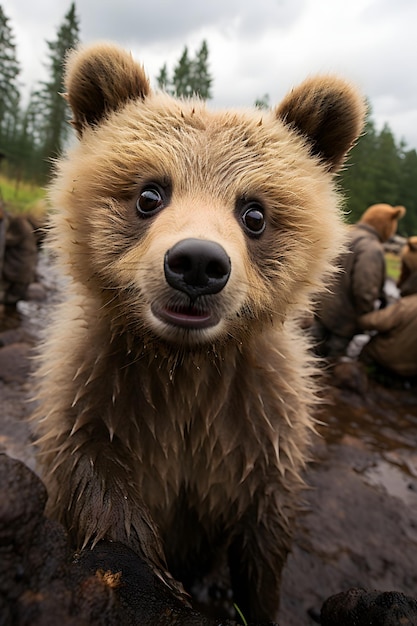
x,y
185,316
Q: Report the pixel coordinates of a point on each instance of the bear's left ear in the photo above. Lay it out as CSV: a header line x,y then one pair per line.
x,y
329,112
99,79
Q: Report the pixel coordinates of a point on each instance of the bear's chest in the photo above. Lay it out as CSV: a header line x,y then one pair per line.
x,y
197,463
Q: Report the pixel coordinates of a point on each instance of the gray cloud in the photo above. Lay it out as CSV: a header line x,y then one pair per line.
x,y
162,20
255,47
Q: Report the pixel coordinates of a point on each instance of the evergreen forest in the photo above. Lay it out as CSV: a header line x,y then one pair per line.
x,y
32,134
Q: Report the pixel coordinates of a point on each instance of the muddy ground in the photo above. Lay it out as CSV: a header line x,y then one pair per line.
x,y
359,528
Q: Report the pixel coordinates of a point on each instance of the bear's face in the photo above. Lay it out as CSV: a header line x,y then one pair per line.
x,y
384,219
192,226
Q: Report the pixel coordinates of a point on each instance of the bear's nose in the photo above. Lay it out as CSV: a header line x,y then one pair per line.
x,y
197,267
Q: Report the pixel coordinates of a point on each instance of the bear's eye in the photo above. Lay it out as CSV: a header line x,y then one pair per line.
x,y
150,201
253,219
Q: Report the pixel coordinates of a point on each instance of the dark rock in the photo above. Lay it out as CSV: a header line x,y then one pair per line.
x,y
42,584
140,596
14,335
14,362
361,608
37,292
350,375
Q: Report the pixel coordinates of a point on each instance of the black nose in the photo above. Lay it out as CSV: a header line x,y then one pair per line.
x,y
197,267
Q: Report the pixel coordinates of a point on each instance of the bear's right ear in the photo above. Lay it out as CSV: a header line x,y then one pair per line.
x,y
99,79
399,212
329,113
412,243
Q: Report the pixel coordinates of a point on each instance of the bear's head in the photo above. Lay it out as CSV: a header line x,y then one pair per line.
x,y
408,260
189,225
383,218
409,254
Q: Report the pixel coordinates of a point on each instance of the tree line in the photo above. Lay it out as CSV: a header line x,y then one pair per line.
x,y
33,135
380,168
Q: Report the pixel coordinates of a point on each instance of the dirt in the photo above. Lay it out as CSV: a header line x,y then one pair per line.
x,y
359,527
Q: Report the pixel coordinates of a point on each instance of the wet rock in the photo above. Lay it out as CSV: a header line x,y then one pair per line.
x,y
42,584
358,606
37,292
31,548
354,533
142,598
14,362
14,335
350,375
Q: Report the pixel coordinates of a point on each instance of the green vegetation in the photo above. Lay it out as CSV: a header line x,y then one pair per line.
x,y
22,197
393,266
190,76
242,617
380,169
31,137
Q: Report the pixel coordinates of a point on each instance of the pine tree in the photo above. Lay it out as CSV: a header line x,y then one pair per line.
x,y
29,142
163,78
200,77
191,77
408,191
9,89
182,76
380,171
389,167
263,103
359,177
48,99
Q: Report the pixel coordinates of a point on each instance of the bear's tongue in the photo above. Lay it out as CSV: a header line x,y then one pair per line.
x,y
187,317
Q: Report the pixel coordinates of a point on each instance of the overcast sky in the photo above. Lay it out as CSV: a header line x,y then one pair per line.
x,y
256,47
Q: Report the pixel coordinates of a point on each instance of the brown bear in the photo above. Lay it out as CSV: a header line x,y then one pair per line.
x,y
18,260
407,281
393,348
176,387
359,285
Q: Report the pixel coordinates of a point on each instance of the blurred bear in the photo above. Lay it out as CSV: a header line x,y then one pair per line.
x,y
394,346
358,287
19,261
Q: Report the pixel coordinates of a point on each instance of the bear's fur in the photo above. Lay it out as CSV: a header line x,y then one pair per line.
x,y
384,218
407,281
409,254
175,387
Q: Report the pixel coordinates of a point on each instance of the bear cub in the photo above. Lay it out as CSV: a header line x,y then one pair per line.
x,y
176,388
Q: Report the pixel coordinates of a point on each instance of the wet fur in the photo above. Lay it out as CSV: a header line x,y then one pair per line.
x,y
197,438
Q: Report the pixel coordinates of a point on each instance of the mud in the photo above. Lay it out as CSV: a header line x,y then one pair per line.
x,y
359,527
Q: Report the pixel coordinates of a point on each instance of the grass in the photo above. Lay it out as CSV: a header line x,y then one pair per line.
x,y
242,617
393,265
21,197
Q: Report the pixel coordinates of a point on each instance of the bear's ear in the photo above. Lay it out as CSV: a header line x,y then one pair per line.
x,y
99,79
399,212
329,113
412,243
